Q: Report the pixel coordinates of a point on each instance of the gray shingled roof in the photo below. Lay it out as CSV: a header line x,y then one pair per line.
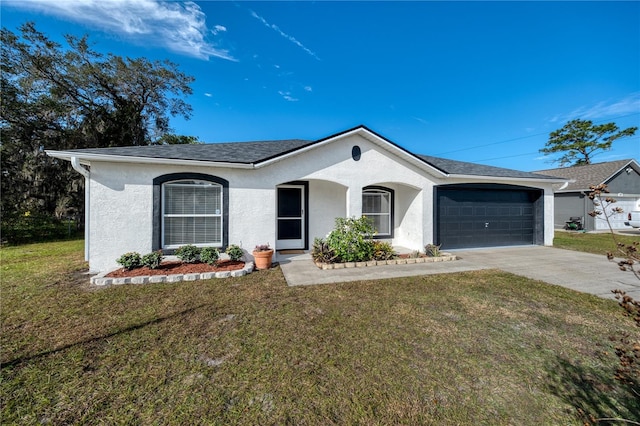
x,y
230,152
464,168
589,174
259,151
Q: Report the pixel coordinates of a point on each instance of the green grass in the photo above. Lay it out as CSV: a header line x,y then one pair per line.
x,y
599,243
485,347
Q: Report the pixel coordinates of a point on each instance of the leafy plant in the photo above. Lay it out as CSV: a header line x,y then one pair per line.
x,y
34,227
351,239
152,260
262,247
210,255
321,252
130,260
382,250
188,253
235,252
432,250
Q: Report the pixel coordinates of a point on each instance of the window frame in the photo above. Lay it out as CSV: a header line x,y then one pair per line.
x,y
165,215
158,207
381,190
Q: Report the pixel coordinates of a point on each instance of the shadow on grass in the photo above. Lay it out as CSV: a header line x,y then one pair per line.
x,y
594,393
27,358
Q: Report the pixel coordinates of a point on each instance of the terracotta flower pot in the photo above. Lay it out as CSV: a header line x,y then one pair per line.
x,y
263,259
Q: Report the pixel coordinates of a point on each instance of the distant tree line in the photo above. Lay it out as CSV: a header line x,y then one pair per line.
x,y
69,97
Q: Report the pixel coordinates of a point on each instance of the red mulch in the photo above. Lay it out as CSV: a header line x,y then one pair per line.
x,y
169,268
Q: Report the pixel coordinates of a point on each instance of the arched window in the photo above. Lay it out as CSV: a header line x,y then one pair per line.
x,y
377,205
190,208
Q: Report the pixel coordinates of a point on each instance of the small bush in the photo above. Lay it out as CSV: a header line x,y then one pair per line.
x,y
130,260
188,253
432,250
209,255
351,239
321,252
383,251
152,260
235,252
30,228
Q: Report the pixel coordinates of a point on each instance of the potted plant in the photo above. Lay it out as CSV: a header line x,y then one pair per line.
x,y
262,255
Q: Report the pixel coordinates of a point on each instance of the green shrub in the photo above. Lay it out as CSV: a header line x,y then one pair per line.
x,y
34,227
432,250
152,260
235,252
188,253
130,260
209,255
383,251
351,239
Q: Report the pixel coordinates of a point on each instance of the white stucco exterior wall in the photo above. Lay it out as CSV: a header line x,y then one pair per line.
x,y
121,210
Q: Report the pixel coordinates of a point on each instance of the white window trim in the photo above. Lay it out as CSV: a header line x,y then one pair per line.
x,y
164,215
389,214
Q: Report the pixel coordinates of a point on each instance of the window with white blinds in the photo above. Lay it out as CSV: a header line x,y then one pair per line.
x,y
191,213
376,205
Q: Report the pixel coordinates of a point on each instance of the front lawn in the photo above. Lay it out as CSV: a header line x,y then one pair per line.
x,y
596,243
485,347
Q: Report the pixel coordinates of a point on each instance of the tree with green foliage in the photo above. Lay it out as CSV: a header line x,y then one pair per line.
x,y
580,139
69,97
171,139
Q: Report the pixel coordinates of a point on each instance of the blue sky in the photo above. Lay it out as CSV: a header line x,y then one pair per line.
x,y
473,81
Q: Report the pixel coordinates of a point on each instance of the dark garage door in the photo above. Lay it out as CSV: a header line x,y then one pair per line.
x,y
472,216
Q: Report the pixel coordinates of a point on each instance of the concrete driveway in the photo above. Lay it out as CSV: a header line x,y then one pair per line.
x,y
582,272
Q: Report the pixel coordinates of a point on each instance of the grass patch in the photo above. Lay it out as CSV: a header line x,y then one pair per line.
x,y
483,347
596,243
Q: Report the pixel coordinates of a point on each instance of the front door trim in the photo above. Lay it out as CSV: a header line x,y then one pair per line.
x,y
304,244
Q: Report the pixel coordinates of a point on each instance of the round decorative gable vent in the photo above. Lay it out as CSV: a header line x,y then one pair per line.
x,y
356,153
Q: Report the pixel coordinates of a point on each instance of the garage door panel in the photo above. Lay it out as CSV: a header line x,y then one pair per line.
x,y
485,218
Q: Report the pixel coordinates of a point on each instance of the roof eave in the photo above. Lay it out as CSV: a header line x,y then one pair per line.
x,y
631,163
87,158
369,135
507,179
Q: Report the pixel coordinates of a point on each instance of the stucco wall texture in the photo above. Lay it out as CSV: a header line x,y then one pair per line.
x,y
121,197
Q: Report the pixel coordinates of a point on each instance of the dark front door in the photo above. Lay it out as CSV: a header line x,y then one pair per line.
x,y
290,221
485,217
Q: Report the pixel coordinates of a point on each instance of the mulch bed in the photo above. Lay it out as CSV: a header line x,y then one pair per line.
x,y
170,268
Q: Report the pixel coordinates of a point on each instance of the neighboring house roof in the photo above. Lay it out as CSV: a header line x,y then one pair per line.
x,y
581,177
254,154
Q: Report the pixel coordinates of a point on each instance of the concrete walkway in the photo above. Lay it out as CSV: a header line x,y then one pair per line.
x,y
584,272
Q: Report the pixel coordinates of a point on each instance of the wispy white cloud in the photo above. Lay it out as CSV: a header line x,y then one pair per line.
x,y
218,29
629,104
287,96
179,27
208,95
308,88
277,29
421,120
